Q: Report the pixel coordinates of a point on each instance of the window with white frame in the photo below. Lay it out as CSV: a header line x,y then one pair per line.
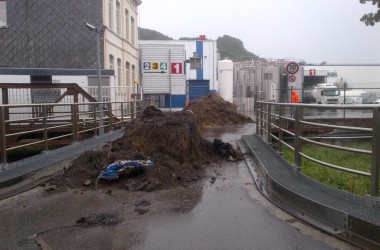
x,y
133,31
119,72
111,61
128,73
110,14
3,14
195,63
118,24
126,25
133,73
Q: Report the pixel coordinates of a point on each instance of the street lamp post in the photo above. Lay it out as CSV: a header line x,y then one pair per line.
x,y
99,30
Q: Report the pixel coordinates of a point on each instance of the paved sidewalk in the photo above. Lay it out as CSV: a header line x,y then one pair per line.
x,y
24,174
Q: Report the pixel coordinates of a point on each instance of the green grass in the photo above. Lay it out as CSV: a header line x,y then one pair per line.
x,y
342,180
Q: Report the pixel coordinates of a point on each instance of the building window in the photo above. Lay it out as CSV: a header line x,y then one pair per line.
x,y
195,63
268,76
3,14
128,74
118,24
126,24
132,31
110,14
111,59
133,73
119,72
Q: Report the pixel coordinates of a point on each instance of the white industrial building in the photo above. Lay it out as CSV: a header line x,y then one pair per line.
x,y
188,79
258,80
269,80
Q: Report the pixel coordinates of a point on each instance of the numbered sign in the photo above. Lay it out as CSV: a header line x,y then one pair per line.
x,y
163,66
146,65
292,78
292,68
176,68
155,66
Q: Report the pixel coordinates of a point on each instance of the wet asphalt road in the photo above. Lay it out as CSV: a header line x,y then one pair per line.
x,y
226,212
226,217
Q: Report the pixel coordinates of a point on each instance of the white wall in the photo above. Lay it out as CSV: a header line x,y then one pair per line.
x,y
356,75
209,58
82,81
119,44
14,78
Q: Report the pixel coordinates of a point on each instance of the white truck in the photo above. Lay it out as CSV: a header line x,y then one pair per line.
x,y
326,93
352,97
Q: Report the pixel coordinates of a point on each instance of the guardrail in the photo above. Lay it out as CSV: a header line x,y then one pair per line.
x,y
48,124
286,124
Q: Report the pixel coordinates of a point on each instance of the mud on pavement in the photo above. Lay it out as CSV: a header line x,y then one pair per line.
x,y
70,203
173,141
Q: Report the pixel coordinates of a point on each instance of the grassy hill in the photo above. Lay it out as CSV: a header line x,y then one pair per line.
x,y
233,49
147,34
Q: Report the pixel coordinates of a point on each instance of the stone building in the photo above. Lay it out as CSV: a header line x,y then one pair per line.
x,y
52,34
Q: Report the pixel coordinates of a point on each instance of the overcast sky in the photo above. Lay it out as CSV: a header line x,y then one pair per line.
x,y
316,31
2,14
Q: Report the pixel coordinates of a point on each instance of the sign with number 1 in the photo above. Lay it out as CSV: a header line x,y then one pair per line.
x,y
176,68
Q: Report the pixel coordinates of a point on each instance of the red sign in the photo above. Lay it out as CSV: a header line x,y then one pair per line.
x,y
312,72
292,78
292,68
176,68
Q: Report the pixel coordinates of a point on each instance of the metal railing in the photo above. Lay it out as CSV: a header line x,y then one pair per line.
x,y
118,94
28,125
287,125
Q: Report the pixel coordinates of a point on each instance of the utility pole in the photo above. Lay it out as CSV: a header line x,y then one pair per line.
x,y
99,31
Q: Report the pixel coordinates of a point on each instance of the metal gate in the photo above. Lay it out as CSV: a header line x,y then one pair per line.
x,y
198,88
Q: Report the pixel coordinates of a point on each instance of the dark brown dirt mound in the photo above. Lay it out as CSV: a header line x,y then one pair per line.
x,y
171,140
213,110
175,134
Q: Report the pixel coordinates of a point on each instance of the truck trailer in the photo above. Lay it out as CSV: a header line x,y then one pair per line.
x,y
326,93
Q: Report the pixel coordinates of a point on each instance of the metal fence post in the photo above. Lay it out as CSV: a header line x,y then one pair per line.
x,y
269,125
44,107
96,128
132,109
3,146
122,114
261,119
75,120
256,114
110,115
375,169
297,139
281,126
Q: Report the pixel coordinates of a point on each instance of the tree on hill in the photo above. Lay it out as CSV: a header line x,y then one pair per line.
x,y
229,47
147,34
371,18
233,49
189,38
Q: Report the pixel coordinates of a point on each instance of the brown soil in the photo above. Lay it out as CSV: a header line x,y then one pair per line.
x,y
212,110
173,141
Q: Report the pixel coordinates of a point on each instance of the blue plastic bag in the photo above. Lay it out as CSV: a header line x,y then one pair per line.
x,y
114,170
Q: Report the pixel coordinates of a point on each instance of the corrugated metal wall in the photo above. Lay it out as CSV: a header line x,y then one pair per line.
x,y
158,80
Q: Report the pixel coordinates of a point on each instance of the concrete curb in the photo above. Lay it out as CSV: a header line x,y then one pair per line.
x,y
339,213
